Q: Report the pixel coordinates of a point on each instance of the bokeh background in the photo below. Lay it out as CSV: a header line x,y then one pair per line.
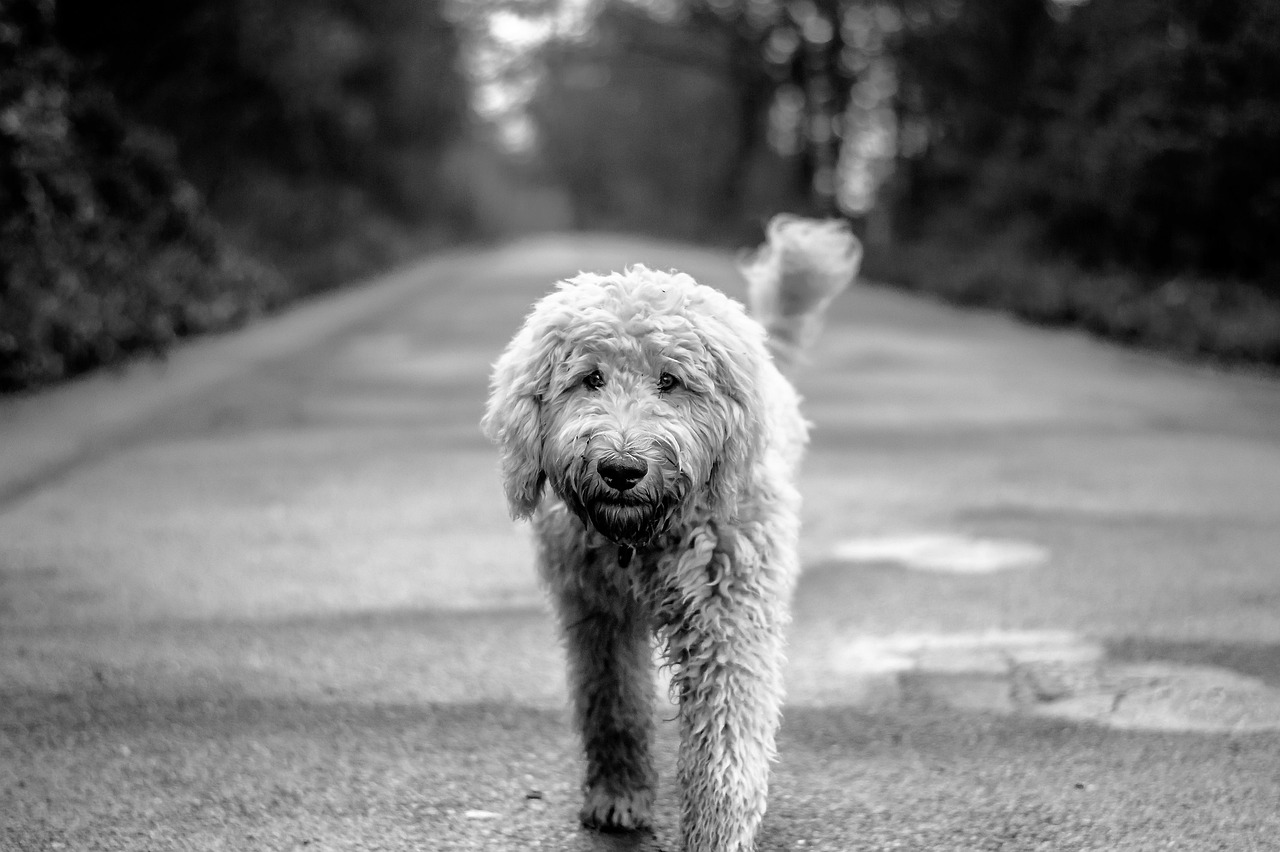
x,y
173,167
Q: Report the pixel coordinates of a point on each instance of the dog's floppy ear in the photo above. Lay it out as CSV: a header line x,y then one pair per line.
x,y
513,418
738,353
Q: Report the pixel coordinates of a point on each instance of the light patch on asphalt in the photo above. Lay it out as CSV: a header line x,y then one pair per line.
x,y
1150,696
943,553
399,356
988,651
1057,674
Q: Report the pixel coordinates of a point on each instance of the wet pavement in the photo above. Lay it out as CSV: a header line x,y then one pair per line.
x,y
266,595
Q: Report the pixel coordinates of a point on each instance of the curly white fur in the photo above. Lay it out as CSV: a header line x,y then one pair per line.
x,y
655,410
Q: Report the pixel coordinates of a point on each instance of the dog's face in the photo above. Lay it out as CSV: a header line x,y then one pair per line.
x,y
634,396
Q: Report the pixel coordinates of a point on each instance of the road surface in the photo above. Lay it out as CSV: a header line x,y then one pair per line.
x,y
266,595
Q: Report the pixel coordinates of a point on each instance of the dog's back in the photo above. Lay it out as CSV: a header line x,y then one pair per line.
x,y
791,279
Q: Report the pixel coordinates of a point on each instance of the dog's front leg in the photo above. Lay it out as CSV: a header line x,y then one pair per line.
x,y
727,645
611,679
730,706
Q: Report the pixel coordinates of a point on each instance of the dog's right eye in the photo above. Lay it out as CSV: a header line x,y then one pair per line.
x,y
593,380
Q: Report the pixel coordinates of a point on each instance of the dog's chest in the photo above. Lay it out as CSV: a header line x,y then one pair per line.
x,y
666,576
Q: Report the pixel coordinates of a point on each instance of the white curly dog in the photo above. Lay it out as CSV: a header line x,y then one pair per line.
x,y
657,411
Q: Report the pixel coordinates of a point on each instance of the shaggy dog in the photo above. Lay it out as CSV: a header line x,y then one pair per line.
x,y
656,410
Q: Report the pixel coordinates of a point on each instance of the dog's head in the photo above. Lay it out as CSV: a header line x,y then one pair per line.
x,y
636,396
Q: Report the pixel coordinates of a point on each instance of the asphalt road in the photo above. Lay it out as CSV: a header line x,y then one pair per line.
x,y
266,595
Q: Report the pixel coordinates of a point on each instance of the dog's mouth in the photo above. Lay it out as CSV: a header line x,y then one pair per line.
x,y
624,522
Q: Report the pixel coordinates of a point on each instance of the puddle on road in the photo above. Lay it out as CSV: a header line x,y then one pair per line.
x,y
1058,674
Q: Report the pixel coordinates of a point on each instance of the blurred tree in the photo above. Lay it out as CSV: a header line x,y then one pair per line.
x,y
1140,134
637,122
141,139
318,127
105,248
963,70
1094,161
740,89
1159,149
333,87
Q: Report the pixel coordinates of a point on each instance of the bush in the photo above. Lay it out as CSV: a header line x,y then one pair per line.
x,y
1228,321
315,129
1137,134
104,248
150,148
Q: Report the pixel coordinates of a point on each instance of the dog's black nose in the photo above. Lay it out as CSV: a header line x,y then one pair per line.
x,y
622,472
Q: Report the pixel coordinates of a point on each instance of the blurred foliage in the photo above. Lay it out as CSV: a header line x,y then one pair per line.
x,y
629,154
313,127
1104,163
104,247
657,118
1110,165
150,148
1224,320
1140,135
1165,158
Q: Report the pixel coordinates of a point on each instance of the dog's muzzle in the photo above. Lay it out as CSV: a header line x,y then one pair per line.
x,y
627,493
620,497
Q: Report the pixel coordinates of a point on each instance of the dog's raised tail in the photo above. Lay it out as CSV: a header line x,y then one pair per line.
x,y
802,266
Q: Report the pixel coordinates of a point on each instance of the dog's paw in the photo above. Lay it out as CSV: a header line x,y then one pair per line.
x,y
616,812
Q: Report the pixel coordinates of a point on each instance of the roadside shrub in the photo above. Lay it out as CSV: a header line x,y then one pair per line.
x,y
104,248
152,151
1228,321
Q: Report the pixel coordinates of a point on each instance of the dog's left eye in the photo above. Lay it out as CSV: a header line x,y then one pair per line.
x,y
667,382
593,380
